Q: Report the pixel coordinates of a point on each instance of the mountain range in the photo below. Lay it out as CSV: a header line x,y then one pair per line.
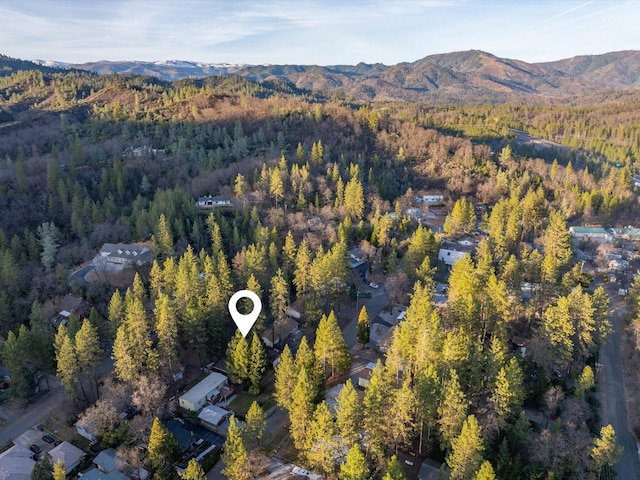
x,y
472,75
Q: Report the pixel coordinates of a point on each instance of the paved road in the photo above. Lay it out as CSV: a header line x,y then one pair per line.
x,y
77,278
42,409
611,386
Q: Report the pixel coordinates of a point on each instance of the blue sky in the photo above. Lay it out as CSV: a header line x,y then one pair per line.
x,y
320,32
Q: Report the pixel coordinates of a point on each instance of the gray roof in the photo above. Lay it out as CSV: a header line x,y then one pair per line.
x,y
69,454
138,253
95,474
202,389
106,460
16,463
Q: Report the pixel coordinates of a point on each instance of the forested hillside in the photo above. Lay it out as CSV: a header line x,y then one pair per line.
x,y
89,159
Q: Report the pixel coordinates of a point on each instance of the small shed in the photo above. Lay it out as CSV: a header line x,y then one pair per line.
x,y
212,416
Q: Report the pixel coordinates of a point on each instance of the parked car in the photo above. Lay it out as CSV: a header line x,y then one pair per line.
x,y
364,294
48,439
35,448
373,285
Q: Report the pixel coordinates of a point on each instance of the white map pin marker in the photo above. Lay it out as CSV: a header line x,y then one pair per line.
x,y
245,322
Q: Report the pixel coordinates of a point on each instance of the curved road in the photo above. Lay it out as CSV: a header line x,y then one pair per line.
x,y
611,386
43,408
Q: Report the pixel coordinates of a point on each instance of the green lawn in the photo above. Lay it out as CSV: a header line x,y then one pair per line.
x,y
240,405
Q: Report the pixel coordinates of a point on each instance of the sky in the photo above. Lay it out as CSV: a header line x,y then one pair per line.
x,y
322,32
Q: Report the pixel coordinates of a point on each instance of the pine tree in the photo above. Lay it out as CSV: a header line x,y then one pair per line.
x,y
355,467
43,469
167,330
401,423
133,351
452,410
305,357
163,447
330,347
278,303
553,340
193,471
354,198
348,414
258,362
88,351
320,448
485,473
285,381
276,185
422,244
393,470
508,393
301,411
586,382
116,311
363,330
557,247
374,407
163,238
605,451
138,288
239,357
462,219
466,451
68,370
48,237
427,387
235,456
301,278
255,427
59,472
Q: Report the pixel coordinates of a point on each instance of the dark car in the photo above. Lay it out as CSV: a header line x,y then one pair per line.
x,y
35,448
48,439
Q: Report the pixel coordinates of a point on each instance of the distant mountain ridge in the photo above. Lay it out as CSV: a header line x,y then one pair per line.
x,y
472,75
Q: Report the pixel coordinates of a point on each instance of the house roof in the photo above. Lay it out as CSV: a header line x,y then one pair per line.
x,y
16,463
457,247
287,328
429,470
213,415
628,232
68,454
70,303
588,230
95,474
125,250
106,460
207,385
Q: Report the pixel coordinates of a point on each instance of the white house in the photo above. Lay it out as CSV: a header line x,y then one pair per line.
x,y
126,254
214,202
450,255
594,234
196,398
433,199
